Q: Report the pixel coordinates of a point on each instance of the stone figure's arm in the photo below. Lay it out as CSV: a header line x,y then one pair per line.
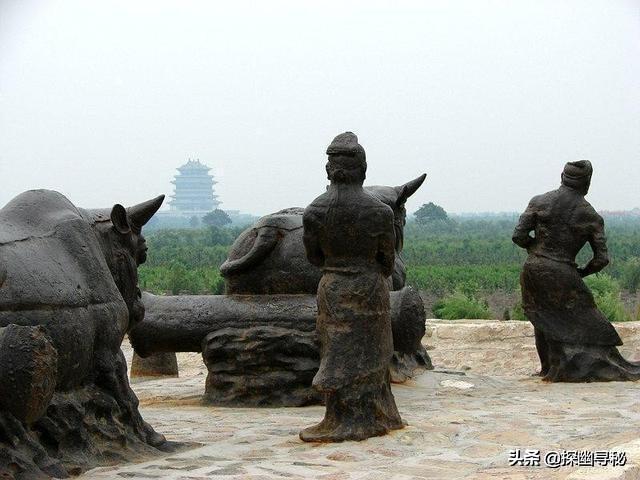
x,y
526,224
310,240
598,242
386,244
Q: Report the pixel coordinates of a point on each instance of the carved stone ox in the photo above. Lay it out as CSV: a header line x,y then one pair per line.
x,y
269,257
68,294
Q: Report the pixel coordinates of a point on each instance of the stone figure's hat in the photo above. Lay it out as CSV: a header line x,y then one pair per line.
x,y
577,175
578,170
346,144
347,160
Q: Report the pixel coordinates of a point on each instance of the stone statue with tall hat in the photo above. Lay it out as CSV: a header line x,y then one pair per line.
x,y
349,235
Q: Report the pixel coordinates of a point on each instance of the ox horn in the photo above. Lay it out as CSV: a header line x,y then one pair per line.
x,y
409,188
141,213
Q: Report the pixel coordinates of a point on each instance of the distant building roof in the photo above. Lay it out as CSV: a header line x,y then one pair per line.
x,y
194,193
193,165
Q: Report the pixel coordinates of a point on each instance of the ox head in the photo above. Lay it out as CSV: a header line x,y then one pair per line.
x,y
119,232
396,197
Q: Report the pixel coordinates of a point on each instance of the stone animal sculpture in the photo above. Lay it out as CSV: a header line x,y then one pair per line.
x,y
68,294
269,257
262,350
575,341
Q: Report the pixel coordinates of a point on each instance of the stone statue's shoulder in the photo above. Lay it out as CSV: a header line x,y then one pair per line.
x,y
588,213
371,201
373,207
589,208
319,202
384,210
316,208
545,198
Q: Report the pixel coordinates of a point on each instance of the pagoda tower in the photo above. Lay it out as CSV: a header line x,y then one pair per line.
x,y
194,192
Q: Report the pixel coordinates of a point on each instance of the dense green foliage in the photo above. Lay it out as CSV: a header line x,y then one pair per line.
x,y
459,305
472,278
176,279
629,274
607,295
460,261
186,261
481,252
430,213
216,218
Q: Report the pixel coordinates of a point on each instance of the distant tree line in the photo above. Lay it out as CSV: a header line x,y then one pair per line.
x,y
446,256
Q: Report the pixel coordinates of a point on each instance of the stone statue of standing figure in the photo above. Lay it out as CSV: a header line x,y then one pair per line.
x,y
575,341
350,235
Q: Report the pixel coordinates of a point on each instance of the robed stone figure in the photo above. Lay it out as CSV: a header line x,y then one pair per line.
x,y
350,235
574,340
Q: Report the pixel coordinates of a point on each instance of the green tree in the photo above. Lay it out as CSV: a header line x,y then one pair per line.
x,y
177,278
630,277
608,298
216,218
430,213
458,306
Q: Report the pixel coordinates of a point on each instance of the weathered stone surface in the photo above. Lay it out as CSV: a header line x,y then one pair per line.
x,y
482,347
260,366
408,328
68,294
574,340
630,471
349,235
28,364
479,331
180,323
453,433
269,258
163,364
499,348
239,354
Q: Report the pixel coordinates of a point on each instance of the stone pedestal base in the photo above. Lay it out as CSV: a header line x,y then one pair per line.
x,y
587,363
356,412
81,429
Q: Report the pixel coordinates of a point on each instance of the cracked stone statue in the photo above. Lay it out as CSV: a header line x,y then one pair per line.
x,y
349,235
575,341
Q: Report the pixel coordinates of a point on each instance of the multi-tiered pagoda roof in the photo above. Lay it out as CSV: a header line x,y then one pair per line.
x,y
194,191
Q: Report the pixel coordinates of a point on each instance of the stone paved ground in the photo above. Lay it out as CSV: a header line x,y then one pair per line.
x,y
463,419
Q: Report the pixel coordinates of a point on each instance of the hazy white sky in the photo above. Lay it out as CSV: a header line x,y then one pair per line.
x,y
101,100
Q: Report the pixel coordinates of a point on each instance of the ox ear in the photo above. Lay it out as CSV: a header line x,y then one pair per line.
x,y
141,213
119,219
409,188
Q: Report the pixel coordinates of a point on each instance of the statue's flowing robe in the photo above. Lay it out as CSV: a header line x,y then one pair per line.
x,y
354,324
555,298
557,301
349,235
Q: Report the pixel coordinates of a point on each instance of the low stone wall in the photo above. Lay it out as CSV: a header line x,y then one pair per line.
x,y
501,348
